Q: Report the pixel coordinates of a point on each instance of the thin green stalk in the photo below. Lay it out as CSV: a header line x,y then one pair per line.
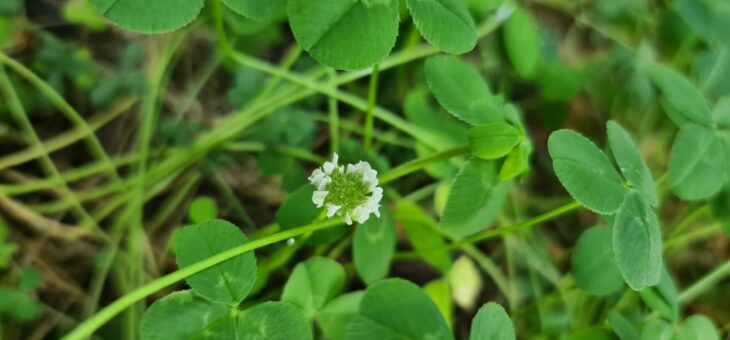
x,y
71,114
494,233
89,326
18,112
704,284
421,163
69,137
372,95
38,184
334,115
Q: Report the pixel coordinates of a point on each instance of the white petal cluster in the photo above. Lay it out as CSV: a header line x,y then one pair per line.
x,y
349,191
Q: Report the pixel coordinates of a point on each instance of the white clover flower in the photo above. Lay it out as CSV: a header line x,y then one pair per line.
x,y
350,191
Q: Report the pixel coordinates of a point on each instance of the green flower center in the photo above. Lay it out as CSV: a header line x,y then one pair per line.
x,y
347,190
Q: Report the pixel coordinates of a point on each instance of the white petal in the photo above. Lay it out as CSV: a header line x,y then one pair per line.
x,y
328,167
332,209
318,197
377,194
348,219
335,158
316,176
323,183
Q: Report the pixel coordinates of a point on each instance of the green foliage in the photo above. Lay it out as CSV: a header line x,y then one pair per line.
x,y
637,243
228,282
445,24
298,209
373,246
631,164
681,97
423,235
462,91
185,315
662,298
334,318
314,283
521,40
258,10
594,266
475,199
397,309
493,140
492,323
698,163
349,34
586,172
150,17
275,321
202,209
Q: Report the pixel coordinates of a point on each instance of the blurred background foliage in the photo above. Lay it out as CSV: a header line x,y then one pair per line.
x,y
593,63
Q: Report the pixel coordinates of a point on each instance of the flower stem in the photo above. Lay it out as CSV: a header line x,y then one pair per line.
x,y
372,94
87,328
420,163
490,234
705,283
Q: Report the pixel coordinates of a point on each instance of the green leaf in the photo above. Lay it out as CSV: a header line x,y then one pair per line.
x,y
475,200
516,163
466,283
492,323
373,246
631,163
313,283
622,327
257,9
698,327
594,267
423,235
228,282
521,40
637,243
397,309
185,315
662,298
274,321
19,304
720,206
439,292
298,209
335,317
445,24
586,172
202,209
721,112
683,96
698,163
345,34
461,90
150,16
493,140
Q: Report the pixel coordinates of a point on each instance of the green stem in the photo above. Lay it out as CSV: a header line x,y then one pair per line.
x,y
89,326
18,112
71,114
334,115
421,163
372,95
705,283
494,233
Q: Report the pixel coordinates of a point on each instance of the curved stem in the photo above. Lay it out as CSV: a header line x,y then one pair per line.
x,y
372,95
705,283
490,234
87,328
421,163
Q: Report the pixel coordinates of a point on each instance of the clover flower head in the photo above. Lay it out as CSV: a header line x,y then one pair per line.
x,y
351,191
